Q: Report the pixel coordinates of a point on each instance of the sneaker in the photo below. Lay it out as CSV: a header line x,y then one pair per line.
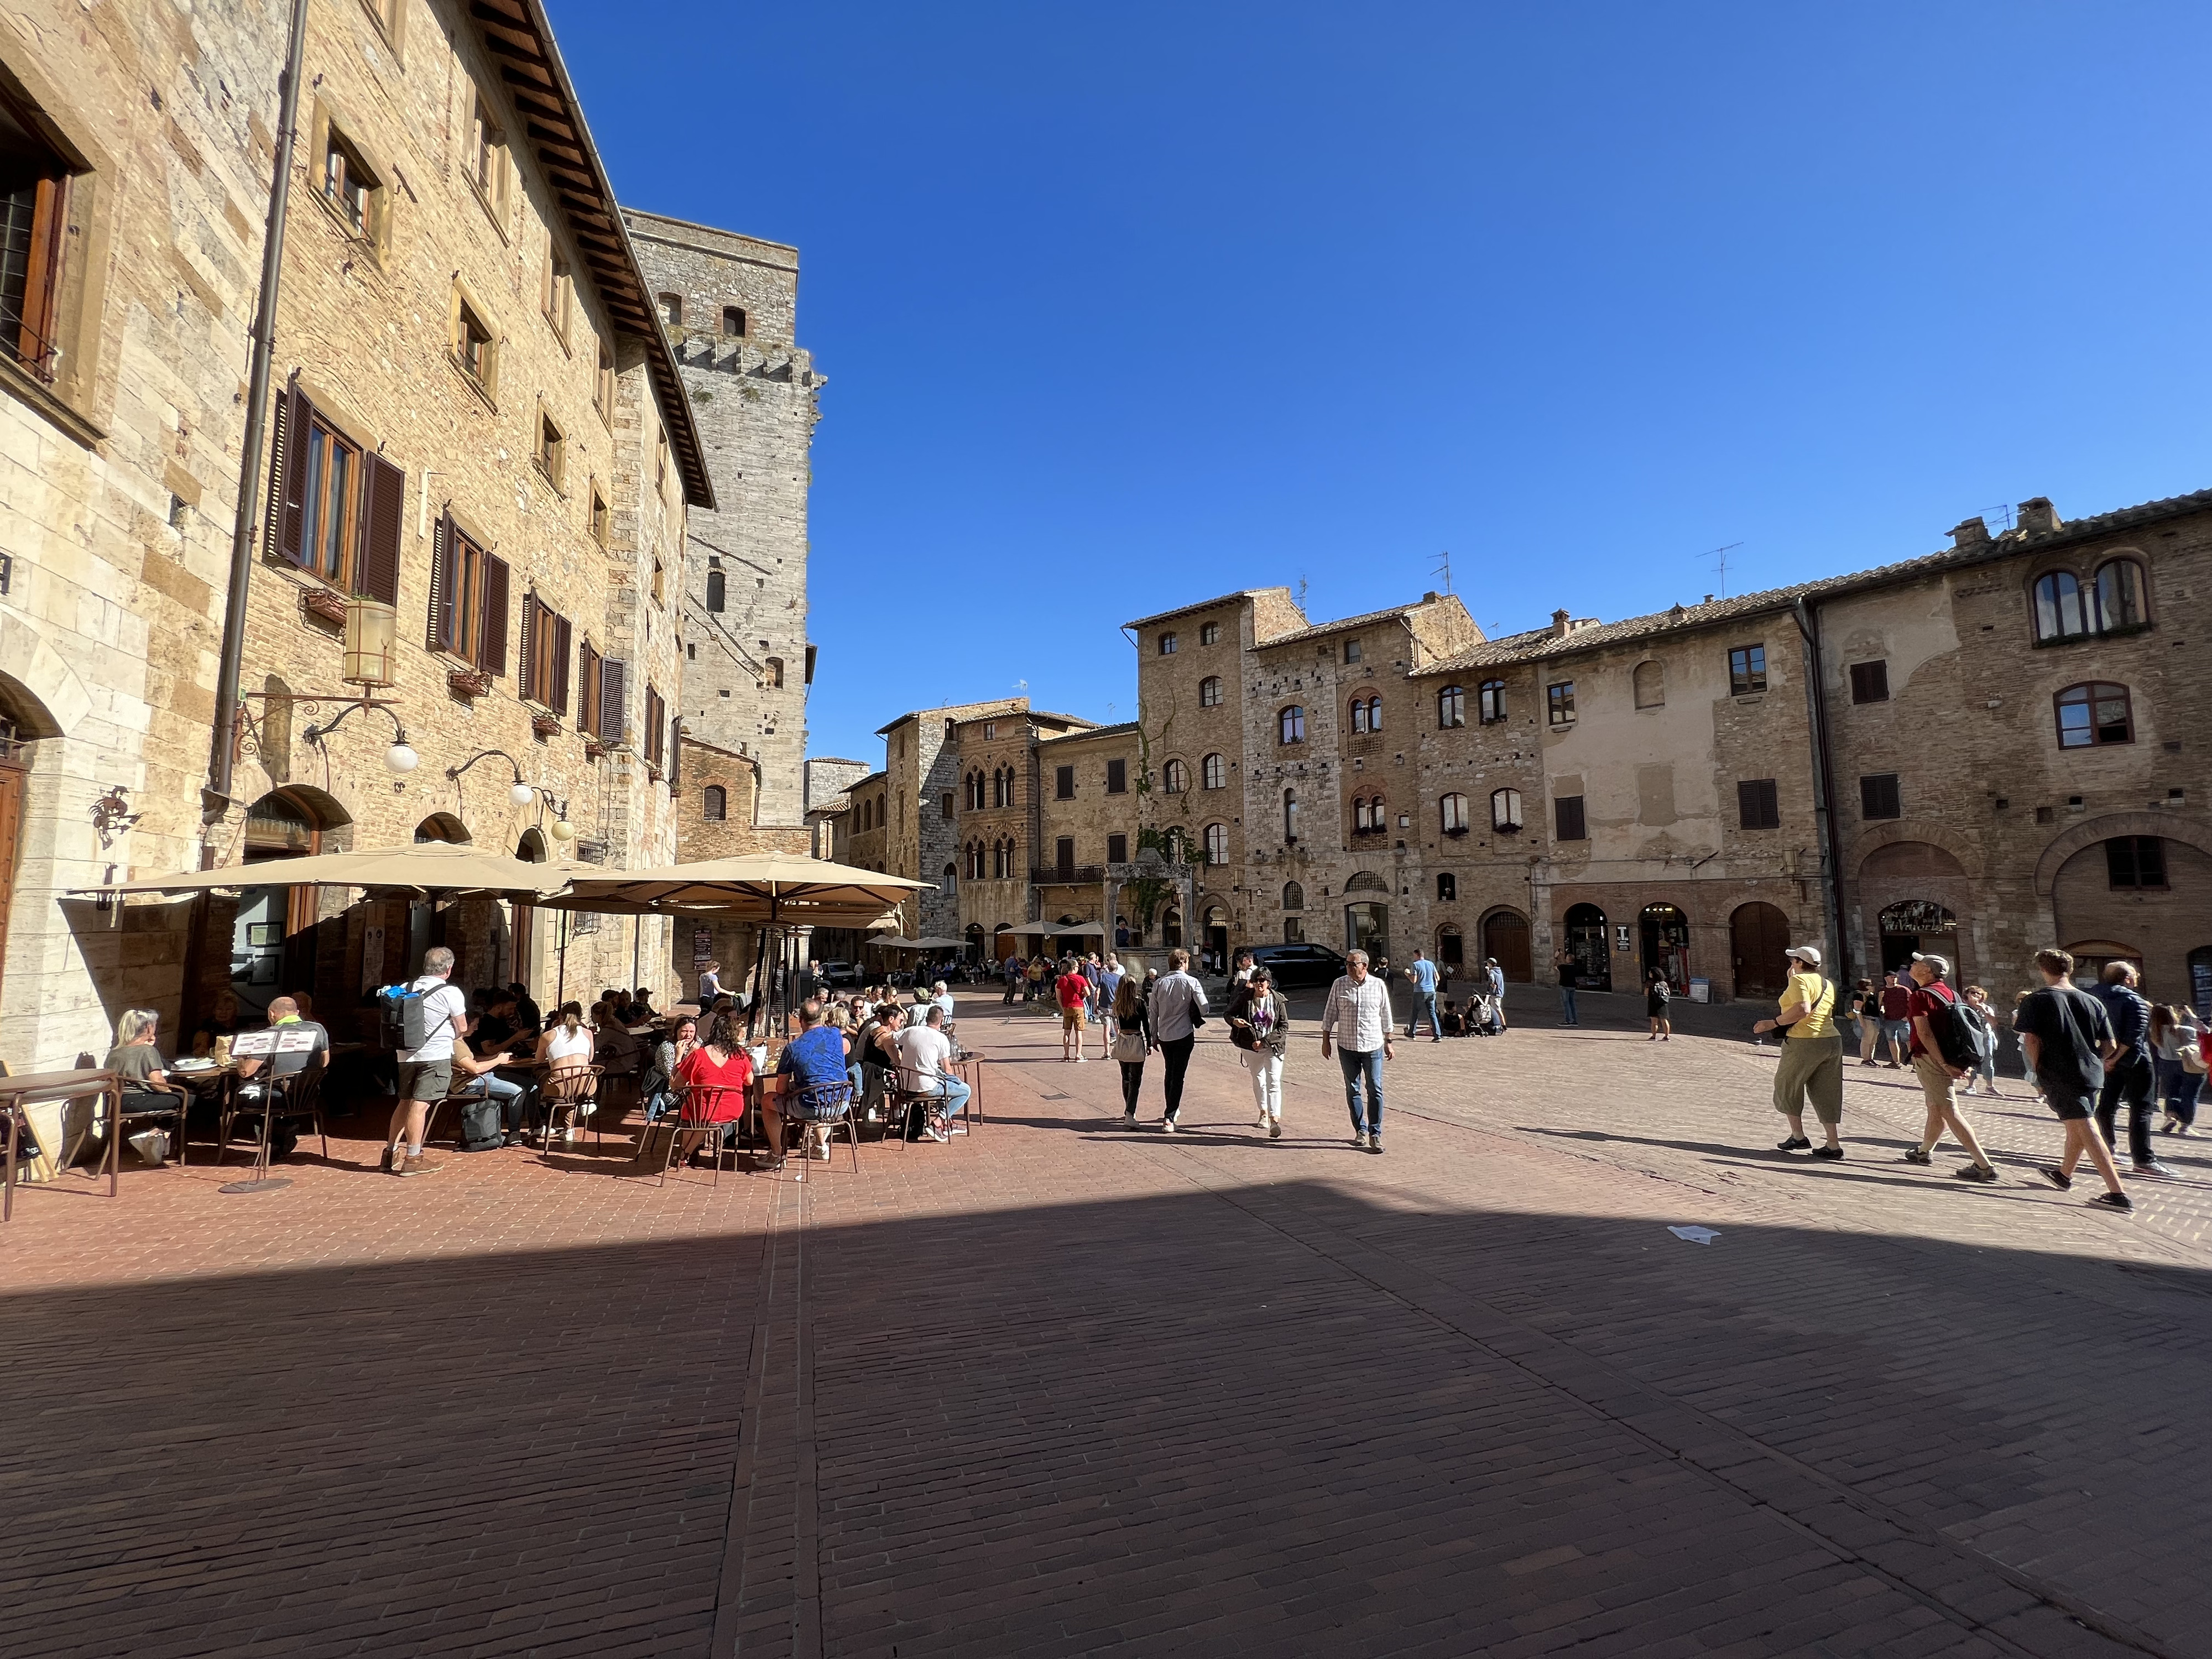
x,y
2171,1126
418,1165
1870,1062
2119,1202
1168,1125
2058,1178
1914,1154
1128,1120
1375,1144
1274,1129
1080,1058
2155,1170
936,1134
1359,1140
1828,1152
1263,1120
1980,1172
1795,1144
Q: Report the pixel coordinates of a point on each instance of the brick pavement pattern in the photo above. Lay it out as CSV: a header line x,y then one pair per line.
x,y
1058,1388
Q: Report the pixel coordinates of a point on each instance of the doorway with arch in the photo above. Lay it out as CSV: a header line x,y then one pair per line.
x,y
1758,935
1917,926
1665,936
1367,921
1587,945
1505,939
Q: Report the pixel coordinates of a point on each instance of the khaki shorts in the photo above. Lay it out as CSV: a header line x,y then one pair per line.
x,y
1811,1068
425,1079
1071,1019
1937,1082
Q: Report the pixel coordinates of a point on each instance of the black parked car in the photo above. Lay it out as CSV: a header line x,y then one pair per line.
x,y
1294,967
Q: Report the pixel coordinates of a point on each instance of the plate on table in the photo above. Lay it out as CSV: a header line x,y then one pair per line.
x,y
192,1065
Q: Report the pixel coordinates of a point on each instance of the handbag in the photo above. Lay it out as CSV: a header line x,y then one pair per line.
x,y
1240,1033
1129,1047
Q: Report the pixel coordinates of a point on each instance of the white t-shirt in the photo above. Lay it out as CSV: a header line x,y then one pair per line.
x,y
922,1053
444,1009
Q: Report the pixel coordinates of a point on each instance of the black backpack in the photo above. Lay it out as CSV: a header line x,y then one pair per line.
x,y
480,1130
1962,1034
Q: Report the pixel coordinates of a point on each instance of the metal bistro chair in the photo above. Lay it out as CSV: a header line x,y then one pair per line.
x,y
693,1103
575,1089
291,1094
905,1097
823,1106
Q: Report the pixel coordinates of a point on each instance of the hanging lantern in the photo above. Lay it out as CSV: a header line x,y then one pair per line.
x,y
372,629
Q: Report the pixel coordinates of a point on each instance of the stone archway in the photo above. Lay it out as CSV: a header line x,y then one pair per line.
x,y
2089,834
1925,877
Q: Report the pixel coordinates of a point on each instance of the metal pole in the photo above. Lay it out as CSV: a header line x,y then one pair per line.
x,y
257,415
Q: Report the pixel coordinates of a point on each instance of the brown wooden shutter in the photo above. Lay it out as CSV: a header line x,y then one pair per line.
x,y
492,655
384,501
440,637
613,699
526,675
675,753
558,703
288,482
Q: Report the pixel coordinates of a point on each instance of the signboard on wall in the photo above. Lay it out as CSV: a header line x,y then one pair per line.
x,y
702,946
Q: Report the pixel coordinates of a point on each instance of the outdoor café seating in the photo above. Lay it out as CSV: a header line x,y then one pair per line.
x,y
573,1089
293,1094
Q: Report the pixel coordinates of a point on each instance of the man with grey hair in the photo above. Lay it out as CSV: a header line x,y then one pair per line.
x,y
1360,1003
1177,1010
1932,999
426,1071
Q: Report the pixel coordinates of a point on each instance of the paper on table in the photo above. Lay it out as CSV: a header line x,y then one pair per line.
x,y
1695,1234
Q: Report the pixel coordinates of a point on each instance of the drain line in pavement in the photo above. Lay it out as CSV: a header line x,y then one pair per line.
x,y
730,1587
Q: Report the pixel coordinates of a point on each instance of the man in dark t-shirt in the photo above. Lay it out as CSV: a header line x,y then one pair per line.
x,y
2129,1076
2067,1039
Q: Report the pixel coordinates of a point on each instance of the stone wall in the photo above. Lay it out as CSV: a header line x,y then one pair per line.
x,y
756,397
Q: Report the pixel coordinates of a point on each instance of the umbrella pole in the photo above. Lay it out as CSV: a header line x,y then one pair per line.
x,y
561,959
636,934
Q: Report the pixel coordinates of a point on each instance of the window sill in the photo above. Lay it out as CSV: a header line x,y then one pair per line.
x,y
551,481
29,388
2127,632
470,380
544,727
484,201
323,604
357,236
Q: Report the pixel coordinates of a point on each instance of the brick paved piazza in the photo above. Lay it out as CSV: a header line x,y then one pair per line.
x,y
1057,1390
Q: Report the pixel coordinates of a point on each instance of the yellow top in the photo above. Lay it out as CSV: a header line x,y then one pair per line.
x,y
1820,1005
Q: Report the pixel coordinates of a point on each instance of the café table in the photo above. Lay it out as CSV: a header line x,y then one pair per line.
x,y
17,1094
968,1066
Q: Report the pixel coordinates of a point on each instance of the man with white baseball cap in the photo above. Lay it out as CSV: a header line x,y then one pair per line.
x,y
1812,1054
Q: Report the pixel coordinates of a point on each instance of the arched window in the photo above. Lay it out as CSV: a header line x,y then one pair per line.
x,y
1360,825
1209,692
975,860
2094,714
1506,810
2119,595
1447,886
714,805
1358,714
1490,701
1650,681
1294,897
1290,725
1217,843
1290,814
1453,809
2060,613
715,590
1375,714
863,816
950,884
1451,707
1175,777
1213,772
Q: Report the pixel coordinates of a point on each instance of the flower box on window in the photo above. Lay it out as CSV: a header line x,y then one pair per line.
x,y
544,726
324,604
467,682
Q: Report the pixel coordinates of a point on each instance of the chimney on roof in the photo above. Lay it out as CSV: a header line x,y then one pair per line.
x,y
1559,625
1709,598
2038,517
1429,598
1969,532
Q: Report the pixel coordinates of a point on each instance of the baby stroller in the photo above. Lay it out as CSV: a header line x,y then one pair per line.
x,y
1482,1015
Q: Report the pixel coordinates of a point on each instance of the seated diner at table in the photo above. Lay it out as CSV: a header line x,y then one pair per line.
x,y
715,1076
668,1059
924,1051
819,1085
288,1060
639,1010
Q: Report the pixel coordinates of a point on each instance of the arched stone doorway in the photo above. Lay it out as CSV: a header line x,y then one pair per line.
x,y
1758,935
1505,938
1367,921
1911,927
1906,872
1664,933
973,934
442,826
1215,940
1451,949
2153,891
1587,945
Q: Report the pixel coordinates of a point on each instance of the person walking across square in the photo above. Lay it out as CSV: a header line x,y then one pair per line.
x,y
1259,1024
1895,1001
1423,977
1359,1006
1178,1009
1564,962
1494,976
1931,1000
2130,1076
1073,991
1812,1062
2067,1037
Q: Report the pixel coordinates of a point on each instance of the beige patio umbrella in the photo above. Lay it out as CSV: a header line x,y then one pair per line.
x,y
422,867
785,889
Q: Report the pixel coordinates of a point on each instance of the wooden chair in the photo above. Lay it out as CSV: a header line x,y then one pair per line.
x,y
574,1089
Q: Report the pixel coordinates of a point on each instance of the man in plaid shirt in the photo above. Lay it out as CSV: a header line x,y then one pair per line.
x,y
1359,1005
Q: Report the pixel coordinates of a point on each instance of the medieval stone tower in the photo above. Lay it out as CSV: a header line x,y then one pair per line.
x,y
729,305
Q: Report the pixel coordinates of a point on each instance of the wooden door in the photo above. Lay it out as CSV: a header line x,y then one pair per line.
x,y
1505,937
11,838
1758,935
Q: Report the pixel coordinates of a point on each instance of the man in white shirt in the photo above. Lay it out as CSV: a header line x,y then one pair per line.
x,y
1360,1004
1495,976
426,1073
923,1051
1178,1010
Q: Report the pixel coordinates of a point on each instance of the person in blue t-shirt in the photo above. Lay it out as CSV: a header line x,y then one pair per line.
x,y
819,1087
1423,974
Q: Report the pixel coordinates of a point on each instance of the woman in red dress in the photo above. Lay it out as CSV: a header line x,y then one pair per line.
x,y
715,1076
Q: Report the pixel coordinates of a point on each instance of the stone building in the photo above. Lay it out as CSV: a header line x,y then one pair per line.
x,y
718,817
729,307
1084,834
476,422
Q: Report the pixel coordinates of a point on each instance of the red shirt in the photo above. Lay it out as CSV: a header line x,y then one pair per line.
x,y
1928,999
1072,990
721,1088
1896,1001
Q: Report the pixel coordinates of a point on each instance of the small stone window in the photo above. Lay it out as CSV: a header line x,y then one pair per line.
x,y
1505,811
1209,692
2094,715
1352,651
672,310
552,449
714,804
1212,773
1452,814
772,675
1209,633
1217,843
1878,796
1167,644
1871,682
1451,707
1746,670
733,322
1290,725
1650,684
1559,703
1490,701
717,591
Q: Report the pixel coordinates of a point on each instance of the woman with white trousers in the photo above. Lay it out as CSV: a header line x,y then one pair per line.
x,y
1258,1015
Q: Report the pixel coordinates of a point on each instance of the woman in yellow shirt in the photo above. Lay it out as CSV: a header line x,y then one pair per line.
x,y
1812,1054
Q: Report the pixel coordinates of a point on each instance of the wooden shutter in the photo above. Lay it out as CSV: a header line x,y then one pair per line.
x,y
491,653
675,753
526,676
287,510
376,567
558,703
587,688
442,552
614,725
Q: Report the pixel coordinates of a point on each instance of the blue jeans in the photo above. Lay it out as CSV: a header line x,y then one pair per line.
x,y
1567,1005
952,1091
509,1094
1424,1007
1363,1069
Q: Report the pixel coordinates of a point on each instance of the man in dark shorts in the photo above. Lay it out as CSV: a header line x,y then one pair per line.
x,y
2067,1038
2129,1078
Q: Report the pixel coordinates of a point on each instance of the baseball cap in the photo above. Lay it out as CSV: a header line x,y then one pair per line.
x,y
1804,953
1941,964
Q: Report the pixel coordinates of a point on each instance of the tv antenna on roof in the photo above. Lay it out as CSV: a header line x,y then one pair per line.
x,y
1302,592
1444,570
1720,563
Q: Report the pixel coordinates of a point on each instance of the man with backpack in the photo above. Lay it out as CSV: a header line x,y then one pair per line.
x,y
434,1016
2067,1038
1944,1049
2128,1076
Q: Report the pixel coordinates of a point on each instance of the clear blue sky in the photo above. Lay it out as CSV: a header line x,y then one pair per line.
x,y
1123,305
